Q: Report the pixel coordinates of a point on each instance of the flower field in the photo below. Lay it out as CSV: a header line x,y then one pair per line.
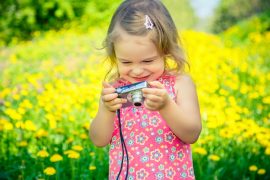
x,y
49,90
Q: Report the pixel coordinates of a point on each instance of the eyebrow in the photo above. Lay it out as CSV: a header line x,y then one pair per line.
x,y
149,58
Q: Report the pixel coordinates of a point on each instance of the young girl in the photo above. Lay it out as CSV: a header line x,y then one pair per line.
x,y
157,135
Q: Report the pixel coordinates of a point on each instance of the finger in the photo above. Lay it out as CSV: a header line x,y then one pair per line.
x,y
117,101
109,97
156,84
108,90
149,106
115,107
153,98
154,91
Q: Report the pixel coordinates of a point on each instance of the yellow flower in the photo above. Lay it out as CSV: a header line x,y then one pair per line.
x,y
86,125
267,151
70,140
261,171
56,158
214,157
77,148
83,136
43,153
74,155
41,133
92,153
49,171
22,144
8,126
253,168
26,104
30,126
91,168
200,150
20,125
13,114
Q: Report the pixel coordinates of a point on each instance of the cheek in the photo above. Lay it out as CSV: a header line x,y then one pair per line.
x,y
159,66
122,69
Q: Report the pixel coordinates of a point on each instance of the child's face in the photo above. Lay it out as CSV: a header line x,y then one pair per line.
x,y
138,58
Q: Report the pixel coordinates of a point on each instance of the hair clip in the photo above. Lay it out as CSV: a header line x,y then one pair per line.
x,y
148,23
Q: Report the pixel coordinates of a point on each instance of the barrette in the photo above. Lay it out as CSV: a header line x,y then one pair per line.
x,y
148,23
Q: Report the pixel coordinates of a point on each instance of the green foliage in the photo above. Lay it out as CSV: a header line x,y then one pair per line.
x,y
21,18
230,12
241,32
182,13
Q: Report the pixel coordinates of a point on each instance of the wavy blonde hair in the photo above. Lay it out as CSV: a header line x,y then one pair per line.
x,y
130,17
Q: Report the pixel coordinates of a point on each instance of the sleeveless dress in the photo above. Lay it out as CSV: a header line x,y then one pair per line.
x,y
154,151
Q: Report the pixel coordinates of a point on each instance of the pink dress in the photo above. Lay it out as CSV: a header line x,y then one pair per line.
x,y
153,149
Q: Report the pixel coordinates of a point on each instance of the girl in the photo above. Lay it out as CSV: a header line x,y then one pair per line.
x,y
141,38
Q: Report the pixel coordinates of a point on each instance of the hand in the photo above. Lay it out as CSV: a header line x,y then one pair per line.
x,y
156,97
109,98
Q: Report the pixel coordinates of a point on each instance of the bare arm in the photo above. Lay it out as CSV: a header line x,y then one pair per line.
x,y
183,117
102,126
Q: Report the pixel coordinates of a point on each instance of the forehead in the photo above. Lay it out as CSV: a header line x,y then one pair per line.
x,y
134,47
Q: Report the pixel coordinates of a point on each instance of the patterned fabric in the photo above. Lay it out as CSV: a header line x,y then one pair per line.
x,y
153,149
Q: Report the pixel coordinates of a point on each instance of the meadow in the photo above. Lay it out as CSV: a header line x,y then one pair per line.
x,y
50,86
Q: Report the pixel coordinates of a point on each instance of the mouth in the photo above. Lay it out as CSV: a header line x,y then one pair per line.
x,y
141,78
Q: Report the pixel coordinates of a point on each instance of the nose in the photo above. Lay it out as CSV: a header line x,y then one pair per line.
x,y
137,71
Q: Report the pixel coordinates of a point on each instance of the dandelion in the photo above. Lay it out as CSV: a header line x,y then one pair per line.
x,y
43,154
200,150
49,171
77,148
86,125
74,155
92,154
214,157
26,104
22,144
8,126
20,125
41,133
92,168
68,151
70,140
56,158
261,171
83,136
253,168
267,151
30,126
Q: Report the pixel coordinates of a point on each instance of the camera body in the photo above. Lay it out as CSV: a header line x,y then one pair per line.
x,y
132,93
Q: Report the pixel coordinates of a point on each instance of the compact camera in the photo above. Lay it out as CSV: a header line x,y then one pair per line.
x,y
132,93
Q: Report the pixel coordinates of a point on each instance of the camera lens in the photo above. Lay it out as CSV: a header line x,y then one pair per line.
x,y
137,98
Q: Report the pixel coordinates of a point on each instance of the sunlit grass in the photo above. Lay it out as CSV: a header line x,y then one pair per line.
x,y
49,93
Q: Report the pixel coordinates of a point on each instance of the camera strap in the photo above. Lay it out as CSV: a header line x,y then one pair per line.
x,y
124,148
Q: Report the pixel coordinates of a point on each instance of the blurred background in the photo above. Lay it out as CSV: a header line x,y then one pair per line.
x,y
51,72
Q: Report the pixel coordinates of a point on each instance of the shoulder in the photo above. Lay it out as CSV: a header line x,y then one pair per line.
x,y
183,80
184,84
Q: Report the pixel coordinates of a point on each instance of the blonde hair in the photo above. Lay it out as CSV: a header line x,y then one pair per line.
x,y
130,17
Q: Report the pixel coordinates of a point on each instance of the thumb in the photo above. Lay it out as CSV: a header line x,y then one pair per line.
x,y
156,84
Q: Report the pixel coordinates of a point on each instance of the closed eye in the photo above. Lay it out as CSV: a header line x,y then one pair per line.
x,y
147,61
125,62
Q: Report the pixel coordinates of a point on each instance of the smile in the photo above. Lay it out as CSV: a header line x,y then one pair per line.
x,y
141,78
